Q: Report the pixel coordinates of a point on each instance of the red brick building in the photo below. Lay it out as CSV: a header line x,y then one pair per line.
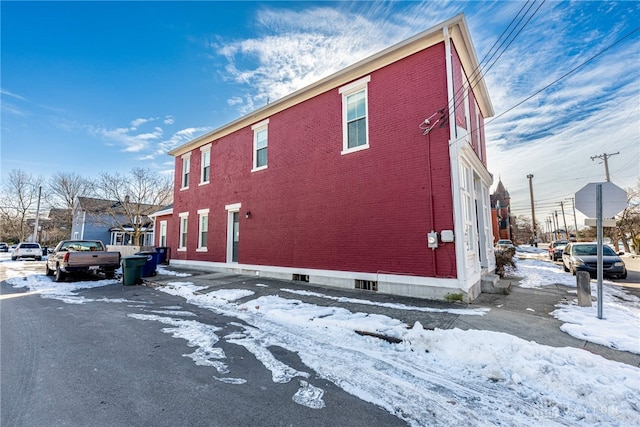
x,y
342,182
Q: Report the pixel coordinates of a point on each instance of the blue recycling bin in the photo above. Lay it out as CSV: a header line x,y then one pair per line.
x,y
163,254
149,268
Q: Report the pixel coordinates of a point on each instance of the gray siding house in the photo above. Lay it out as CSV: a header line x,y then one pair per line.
x,y
105,220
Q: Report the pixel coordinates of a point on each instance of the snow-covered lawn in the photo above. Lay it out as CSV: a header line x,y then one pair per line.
x,y
439,377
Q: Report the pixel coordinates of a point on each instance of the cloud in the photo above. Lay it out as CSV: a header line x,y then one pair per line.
x,y
551,135
168,120
298,48
130,141
5,92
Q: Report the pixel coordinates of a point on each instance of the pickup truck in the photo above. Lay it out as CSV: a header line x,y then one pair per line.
x,y
81,256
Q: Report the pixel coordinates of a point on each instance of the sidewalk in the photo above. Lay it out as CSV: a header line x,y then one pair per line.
x,y
523,313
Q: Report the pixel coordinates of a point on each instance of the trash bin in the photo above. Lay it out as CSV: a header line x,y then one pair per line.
x,y
149,269
132,269
163,254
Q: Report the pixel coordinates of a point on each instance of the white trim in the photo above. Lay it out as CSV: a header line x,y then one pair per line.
x,y
182,215
205,149
231,209
392,284
186,160
355,85
161,213
164,226
257,128
202,246
260,124
347,90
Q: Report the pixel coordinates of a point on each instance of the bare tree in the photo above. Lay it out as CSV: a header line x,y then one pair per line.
x,y
136,196
628,226
18,201
62,190
64,187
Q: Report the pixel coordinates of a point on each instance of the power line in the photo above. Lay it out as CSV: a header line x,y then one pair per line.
x,y
563,76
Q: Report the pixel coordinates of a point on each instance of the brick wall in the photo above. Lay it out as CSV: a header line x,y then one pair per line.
x,y
313,207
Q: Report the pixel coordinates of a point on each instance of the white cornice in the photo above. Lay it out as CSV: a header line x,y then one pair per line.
x,y
430,37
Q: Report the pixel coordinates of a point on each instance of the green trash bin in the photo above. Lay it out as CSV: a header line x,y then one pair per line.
x,y
132,269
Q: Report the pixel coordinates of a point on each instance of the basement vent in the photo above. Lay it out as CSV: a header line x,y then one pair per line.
x,y
300,278
367,285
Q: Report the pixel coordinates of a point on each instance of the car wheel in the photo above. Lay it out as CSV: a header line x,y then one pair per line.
x,y
573,271
109,274
48,271
38,258
624,275
13,258
565,267
60,276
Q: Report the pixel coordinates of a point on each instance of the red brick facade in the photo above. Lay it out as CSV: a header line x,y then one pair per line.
x,y
315,207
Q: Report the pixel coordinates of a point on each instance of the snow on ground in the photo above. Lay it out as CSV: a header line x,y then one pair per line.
x,y
440,377
619,327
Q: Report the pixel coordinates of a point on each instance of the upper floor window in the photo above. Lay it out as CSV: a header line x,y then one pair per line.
x,y
205,164
355,127
260,144
186,166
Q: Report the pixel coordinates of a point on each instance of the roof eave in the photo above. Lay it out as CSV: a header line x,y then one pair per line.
x,y
420,41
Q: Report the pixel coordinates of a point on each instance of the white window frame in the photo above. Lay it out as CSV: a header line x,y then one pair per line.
x,y
361,85
258,128
186,169
468,207
203,227
205,164
234,207
162,237
184,231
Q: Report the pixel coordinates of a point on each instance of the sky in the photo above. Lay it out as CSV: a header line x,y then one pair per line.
x,y
92,87
428,377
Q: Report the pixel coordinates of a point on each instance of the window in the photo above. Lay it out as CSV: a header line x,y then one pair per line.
x,y
467,207
260,144
355,128
163,234
205,164
203,228
186,165
184,225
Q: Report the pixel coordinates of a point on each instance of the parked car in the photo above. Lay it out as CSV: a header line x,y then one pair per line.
x,y
4,247
503,244
27,250
555,249
582,256
72,257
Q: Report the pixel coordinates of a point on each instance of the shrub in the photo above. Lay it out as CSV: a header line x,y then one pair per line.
x,y
504,259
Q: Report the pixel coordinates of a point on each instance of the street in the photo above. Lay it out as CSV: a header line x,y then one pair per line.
x,y
93,364
213,348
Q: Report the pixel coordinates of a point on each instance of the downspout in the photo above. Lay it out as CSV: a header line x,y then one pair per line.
x,y
461,272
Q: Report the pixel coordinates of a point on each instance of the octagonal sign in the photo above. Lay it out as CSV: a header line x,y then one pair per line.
x,y
614,199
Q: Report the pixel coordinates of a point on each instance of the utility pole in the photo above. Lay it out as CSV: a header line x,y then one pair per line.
x,y
605,158
575,220
533,211
556,225
564,219
35,226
